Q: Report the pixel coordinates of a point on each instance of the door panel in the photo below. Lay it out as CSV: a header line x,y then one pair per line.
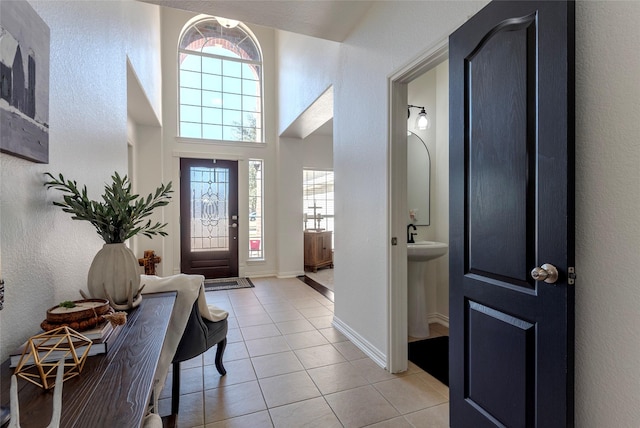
x,y
511,209
209,217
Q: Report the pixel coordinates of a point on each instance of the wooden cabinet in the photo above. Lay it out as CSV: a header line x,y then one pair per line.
x,y
318,251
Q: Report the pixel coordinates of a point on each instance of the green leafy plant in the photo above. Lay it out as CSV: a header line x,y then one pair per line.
x,y
120,215
67,304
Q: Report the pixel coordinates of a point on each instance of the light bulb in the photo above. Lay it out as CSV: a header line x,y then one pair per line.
x,y
423,122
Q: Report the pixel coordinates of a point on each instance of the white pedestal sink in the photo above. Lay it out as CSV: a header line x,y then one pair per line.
x,y
419,254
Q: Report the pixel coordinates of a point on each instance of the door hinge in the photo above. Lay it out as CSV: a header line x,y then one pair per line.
x,y
394,241
571,277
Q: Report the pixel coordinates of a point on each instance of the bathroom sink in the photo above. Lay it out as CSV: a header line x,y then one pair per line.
x,y
423,251
419,253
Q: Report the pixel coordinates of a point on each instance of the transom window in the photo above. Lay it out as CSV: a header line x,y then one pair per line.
x,y
220,83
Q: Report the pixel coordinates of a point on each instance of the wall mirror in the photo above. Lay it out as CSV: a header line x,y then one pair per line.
x,y
418,180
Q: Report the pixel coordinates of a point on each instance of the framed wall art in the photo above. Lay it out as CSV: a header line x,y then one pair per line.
x,y
24,82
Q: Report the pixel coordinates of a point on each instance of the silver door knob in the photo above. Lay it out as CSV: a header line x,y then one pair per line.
x,y
547,273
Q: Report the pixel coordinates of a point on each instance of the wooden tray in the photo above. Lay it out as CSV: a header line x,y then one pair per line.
x,y
89,308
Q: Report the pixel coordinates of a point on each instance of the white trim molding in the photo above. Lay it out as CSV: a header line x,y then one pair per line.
x,y
363,344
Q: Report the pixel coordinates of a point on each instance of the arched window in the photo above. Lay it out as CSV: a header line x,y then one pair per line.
x,y
220,83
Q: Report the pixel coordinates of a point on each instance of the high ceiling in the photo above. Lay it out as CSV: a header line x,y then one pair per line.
x,y
325,19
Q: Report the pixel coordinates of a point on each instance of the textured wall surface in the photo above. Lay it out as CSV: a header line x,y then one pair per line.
x,y
45,254
173,148
607,183
607,207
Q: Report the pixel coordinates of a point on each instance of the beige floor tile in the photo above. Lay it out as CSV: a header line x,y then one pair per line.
x,y
316,311
253,420
277,305
371,371
255,319
433,417
233,351
309,302
319,356
269,345
336,377
434,383
193,362
234,335
409,394
288,388
399,422
333,335
276,364
313,413
248,308
238,371
321,322
191,410
295,326
305,339
360,406
233,322
232,401
191,380
328,303
286,315
349,350
276,316
237,350
260,331
243,311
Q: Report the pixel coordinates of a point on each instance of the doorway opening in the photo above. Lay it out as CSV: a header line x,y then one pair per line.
x,y
399,217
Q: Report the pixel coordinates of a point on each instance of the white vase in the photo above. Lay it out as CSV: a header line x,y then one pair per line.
x,y
115,275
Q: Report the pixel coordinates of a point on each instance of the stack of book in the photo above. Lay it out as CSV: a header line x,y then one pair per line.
x,y
101,336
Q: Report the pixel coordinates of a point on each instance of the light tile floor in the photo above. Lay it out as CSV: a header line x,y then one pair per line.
x,y
288,367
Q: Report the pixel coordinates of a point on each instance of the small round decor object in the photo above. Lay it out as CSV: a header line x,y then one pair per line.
x,y
83,309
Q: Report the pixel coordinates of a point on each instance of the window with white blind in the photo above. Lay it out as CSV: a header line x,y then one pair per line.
x,y
317,190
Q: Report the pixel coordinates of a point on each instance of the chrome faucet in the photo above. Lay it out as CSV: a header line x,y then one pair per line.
x,y
410,235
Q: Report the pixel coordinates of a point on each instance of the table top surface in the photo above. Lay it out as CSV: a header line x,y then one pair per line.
x,y
113,389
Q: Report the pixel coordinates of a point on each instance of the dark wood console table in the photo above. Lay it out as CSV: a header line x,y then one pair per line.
x,y
114,389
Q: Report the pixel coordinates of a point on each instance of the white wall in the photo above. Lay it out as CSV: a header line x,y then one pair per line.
x,y
46,255
172,147
607,219
390,36
607,183
318,152
432,90
440,187
303,74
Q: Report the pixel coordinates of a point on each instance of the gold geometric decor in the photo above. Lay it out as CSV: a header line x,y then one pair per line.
x,y
44,352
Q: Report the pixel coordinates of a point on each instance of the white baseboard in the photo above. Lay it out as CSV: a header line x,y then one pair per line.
x,y
292,274
363,344
438,318
263,274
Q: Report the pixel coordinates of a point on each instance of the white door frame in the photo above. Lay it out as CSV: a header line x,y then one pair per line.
x,y
397,352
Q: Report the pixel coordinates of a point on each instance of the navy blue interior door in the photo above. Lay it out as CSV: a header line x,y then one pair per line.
x,y
511,216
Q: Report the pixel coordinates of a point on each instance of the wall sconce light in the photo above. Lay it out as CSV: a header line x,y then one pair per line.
x,y
422,121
